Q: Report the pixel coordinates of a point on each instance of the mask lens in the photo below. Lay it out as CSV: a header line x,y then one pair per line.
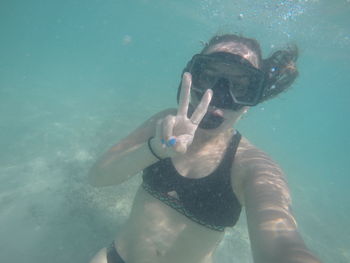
x,y
232,79
221,94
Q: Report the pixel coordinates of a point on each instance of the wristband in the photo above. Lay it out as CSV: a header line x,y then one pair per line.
x,y
150,148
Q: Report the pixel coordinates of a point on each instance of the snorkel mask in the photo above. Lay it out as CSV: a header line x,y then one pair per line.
x,y
234,80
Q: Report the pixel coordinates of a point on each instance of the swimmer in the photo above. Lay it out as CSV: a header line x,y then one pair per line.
x,y
199,171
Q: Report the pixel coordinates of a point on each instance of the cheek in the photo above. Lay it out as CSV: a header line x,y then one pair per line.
x,y
229,114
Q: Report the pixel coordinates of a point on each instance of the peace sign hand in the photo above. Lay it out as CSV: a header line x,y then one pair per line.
x,y
174,134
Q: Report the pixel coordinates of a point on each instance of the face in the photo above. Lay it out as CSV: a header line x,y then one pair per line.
x,y
218,114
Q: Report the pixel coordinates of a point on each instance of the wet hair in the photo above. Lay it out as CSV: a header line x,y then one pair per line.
x,y
246,45
280,68
281,71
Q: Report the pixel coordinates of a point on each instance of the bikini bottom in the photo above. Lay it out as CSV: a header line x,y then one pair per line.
x,y
112,255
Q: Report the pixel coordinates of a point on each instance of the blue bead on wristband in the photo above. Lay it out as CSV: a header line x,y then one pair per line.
x,y
171,142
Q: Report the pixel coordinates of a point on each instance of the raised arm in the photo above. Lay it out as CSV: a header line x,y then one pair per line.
x,y
127,157
272,227
170,132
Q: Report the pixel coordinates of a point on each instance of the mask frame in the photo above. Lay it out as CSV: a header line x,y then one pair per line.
x,y
218,71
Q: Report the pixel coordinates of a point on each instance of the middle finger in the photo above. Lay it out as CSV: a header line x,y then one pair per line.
x,y
202,107
185,94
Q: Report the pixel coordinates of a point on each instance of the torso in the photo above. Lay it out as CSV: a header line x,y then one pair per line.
x,y
157,233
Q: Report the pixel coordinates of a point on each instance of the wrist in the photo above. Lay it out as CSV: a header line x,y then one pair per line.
x,y
156,149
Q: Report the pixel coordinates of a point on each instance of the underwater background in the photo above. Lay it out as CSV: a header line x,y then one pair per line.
x,y
76,76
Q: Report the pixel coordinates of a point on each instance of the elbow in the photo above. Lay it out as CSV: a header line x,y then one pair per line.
x,y
99,177
96,181
94,178
91,179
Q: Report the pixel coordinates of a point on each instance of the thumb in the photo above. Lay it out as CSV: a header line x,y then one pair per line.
x,y
182,143
180,147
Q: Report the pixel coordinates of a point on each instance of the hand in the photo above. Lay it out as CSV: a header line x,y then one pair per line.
x,y
174,134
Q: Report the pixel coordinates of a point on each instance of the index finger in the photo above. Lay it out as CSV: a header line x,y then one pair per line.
x,y
202,107
185,94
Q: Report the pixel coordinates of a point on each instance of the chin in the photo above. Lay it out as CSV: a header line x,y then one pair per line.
x,y
211,119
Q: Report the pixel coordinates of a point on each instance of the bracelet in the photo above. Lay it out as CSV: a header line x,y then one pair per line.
x,y
150,148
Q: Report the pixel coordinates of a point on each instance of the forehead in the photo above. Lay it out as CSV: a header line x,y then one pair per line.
x,y
237,49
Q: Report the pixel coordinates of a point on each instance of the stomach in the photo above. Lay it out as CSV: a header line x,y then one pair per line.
x,y
157,233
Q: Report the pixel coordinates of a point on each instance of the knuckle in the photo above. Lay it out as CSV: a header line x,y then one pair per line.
x,y
167,119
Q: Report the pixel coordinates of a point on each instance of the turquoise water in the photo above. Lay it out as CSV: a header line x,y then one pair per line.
x,y
76,76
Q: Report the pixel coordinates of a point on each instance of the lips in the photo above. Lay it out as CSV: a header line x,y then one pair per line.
x,y
212,119
216,112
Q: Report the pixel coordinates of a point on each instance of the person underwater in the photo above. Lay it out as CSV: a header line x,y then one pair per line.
x,y
198,171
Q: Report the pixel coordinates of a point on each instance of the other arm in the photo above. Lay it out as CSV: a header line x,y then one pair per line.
x,y
272,227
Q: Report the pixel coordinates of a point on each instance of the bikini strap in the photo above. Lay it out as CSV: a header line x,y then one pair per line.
x,y
227,161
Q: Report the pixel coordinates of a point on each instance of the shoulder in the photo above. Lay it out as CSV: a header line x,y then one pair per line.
x,y
252,158
142,132
163,113
148,127
252,166
151,121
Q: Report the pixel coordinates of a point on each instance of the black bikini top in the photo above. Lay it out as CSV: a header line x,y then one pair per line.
x,y
209,200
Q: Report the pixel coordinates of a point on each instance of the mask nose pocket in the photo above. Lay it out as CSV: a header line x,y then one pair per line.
x,y
222,97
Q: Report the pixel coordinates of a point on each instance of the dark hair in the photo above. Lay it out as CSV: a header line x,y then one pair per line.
x,y
280,67
247,44
281,71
